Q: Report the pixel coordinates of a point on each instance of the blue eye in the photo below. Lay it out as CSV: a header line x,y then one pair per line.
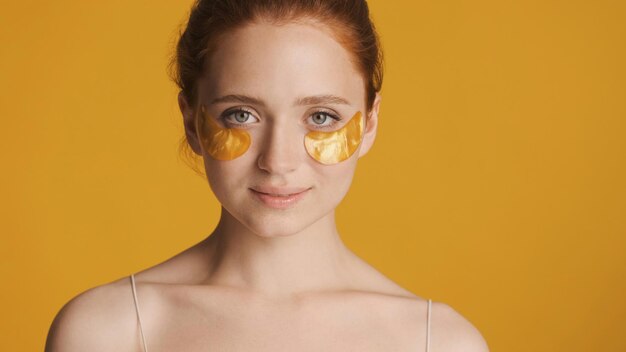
x,y
320,118
237,117
242,116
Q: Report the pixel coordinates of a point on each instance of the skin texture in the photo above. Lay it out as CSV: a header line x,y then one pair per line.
x,y
268,279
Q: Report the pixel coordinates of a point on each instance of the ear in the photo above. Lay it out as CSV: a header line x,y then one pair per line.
x,y
190,123
371,125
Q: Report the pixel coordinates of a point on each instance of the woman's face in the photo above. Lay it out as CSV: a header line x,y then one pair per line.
x,y
278,83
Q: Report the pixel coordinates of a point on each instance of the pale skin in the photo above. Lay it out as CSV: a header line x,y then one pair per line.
x,y
269,279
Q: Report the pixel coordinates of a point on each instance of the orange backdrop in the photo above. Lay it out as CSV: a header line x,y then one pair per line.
x,y
496,184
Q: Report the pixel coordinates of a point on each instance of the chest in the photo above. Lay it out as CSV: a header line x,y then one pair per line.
x,y
276,338
325,325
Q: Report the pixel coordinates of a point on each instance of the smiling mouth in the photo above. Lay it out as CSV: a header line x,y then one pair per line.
x,y
279,191
280,195
280,200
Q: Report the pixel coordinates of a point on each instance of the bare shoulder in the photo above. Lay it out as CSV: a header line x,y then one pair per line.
x,y
451,332
99,319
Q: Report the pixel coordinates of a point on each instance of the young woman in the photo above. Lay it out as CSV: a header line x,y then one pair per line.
x,y
280,98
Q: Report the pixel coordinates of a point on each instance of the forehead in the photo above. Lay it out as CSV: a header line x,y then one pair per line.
x,y
282,62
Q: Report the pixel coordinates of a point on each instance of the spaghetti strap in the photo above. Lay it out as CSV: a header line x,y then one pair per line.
x,y
428,325
132,284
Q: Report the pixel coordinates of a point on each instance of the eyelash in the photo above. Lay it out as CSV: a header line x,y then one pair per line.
x,y
226,121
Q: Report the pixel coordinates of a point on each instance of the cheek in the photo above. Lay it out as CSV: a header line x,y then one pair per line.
x,y
225,177
335,180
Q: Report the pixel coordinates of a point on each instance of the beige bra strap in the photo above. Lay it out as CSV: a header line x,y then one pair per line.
x,y
428,326
132,284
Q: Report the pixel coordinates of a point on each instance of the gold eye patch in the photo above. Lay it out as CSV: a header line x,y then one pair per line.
x,y
337,146
221,143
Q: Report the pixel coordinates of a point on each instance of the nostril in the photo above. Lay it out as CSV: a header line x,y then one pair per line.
x,y
281,148
279,161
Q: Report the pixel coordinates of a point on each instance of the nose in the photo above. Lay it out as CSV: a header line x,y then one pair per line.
x,y
281,150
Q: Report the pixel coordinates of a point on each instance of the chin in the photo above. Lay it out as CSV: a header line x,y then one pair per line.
x,y
280,224
275,226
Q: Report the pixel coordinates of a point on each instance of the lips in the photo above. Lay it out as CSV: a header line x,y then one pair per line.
x,y
279,197
279,191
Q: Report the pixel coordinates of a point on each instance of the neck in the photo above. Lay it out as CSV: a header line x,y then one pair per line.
x,y
314,258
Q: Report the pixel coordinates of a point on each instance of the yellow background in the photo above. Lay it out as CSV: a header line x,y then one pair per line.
x,y
496,184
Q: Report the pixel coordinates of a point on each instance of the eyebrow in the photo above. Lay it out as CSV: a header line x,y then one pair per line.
x,y
321,99
311,100
237,98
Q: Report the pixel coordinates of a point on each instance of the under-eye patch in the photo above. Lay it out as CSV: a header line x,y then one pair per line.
x,y
219,142
336,146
